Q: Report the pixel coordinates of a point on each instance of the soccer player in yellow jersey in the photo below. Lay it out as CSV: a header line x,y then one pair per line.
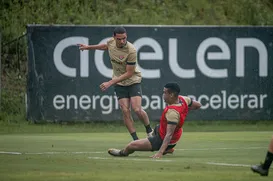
x,y
126,78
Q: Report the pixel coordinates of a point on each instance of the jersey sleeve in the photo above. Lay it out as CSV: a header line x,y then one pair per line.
x,y
188,100
109,41
172,116
132,58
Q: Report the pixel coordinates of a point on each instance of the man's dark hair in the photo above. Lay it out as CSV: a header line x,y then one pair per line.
x,y
119,30
173,87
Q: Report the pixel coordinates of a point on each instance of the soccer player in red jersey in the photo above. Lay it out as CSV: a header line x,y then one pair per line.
x,y
168,132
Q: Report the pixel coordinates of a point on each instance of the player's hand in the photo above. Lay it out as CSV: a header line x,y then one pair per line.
x,y
157,155
105,85
82,46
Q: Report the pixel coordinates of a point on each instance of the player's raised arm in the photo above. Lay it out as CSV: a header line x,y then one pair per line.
x,y
194,105
102,46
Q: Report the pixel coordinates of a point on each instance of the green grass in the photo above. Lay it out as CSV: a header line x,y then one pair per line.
x,y
189,162
14,127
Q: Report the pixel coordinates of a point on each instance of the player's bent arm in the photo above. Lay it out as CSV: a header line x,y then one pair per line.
x,y
169,133
130,69
195,105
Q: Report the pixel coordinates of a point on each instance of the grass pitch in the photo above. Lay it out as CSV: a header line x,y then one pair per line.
x,y
206,156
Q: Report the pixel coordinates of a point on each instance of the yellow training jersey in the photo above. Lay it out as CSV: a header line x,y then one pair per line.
x,y
120,58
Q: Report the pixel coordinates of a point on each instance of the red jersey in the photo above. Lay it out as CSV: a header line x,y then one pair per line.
x,y
182,109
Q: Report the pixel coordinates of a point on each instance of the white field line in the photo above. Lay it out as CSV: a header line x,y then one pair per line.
x,y
207,149
49,153
131,159
99,152
10,153
228,164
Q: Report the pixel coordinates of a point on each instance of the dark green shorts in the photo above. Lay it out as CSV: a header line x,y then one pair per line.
x,y
128,91
156,140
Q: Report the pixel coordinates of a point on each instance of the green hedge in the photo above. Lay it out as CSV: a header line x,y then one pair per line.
x,y
16,14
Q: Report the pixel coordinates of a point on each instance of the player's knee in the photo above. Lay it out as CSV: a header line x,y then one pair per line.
x,y
138,110
125,110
